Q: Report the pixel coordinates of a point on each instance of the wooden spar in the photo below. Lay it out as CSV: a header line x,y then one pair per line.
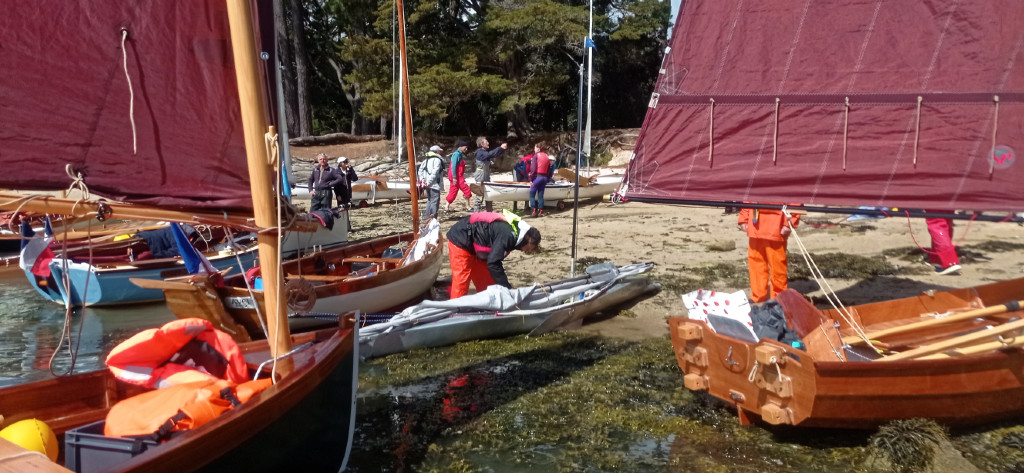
x,y
983,312
956,342
243,46
407,110
89,209
1014,342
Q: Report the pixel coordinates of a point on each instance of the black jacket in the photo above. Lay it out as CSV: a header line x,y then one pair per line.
x,y
489,241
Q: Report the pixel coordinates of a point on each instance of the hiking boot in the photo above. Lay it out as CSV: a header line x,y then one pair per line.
x,y
540,213
951,269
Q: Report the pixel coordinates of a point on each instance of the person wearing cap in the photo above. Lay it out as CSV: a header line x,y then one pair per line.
x,y
321,181
477,245
457,177
484,157
430,177
343,190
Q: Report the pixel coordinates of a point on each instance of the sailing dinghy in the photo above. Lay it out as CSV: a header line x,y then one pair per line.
x,y
905,106
161,107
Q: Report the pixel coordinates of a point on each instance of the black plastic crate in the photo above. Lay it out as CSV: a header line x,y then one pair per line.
x,y
87,450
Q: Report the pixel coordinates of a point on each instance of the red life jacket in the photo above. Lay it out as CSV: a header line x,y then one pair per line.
x,y
157,414
181,351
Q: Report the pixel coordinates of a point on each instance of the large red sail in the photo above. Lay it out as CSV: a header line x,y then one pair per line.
x,y
156,122
910,104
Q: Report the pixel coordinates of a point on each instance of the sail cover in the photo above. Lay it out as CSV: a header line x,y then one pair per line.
x,y
911,104
156,122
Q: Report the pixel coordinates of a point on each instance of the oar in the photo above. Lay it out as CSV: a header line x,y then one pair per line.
x,y
1011,306
955,342
975,349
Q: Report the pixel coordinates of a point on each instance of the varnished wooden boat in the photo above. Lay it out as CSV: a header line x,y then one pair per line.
x,y
961,363
257,436
354,277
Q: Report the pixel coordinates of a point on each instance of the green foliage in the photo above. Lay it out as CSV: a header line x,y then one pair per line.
x,y
477,66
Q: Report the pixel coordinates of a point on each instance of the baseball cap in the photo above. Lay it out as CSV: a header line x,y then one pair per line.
x,y
435,148
461,144
342,160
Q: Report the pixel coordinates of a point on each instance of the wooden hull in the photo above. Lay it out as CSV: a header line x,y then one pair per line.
x,y
314,287
813,388
317,395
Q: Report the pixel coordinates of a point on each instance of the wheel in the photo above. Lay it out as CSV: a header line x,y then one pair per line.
x,y
561,205
363,204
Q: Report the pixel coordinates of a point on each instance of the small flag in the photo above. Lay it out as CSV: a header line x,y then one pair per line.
x,y
588,43
35,251
195,262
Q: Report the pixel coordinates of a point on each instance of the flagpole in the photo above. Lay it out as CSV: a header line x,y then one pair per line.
x,y
590,82
579,162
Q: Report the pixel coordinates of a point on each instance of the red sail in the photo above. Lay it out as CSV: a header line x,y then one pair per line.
x,y
751,105
156,122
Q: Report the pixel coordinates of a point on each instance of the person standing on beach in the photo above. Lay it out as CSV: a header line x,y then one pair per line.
x,y
484,156
457,178
321,181
430,176
343,190
768,231
538,171
477,245
943,254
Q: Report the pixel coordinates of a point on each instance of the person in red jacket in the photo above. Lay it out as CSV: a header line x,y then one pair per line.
x,y
478,244
768,230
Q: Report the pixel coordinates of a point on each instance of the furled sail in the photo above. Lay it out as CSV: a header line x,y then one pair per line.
x,y
140,98
910,104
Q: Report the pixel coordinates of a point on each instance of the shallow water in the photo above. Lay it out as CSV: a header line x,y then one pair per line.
x,y
31,329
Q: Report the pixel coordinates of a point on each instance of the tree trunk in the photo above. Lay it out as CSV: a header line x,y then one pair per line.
x,y
301,68
284,51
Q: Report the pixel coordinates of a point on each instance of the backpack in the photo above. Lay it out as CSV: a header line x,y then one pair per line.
x,y
520,170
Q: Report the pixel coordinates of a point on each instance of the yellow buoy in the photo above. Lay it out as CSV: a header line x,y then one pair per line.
x,y
32,434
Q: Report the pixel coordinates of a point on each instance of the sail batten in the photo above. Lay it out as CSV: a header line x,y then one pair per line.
x,y
916,104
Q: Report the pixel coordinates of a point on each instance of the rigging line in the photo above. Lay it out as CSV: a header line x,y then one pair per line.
x,y
995,128
823,283
131,93
917,130
846,130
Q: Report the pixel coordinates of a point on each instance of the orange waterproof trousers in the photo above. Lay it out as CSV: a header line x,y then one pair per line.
x,y
766,260
467,267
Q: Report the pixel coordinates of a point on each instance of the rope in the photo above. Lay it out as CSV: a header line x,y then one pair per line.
x,y
824,285
131,93
77,183
917,131
753,371
927,251
995,128
846,131
775,140
711,132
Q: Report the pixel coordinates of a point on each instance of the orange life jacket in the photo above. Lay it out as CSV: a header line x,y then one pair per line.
x,y
157,414
181,351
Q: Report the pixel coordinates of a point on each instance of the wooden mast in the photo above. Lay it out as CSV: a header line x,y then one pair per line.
x,y
243,45
407,110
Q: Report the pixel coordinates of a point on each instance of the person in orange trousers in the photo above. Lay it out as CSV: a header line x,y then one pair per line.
x,y
478,244
768,231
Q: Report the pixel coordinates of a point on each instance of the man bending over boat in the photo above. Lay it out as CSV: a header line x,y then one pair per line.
x,y
478,244
321,182
768,230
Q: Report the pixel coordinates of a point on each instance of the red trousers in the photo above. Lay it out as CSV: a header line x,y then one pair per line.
x,y
467,267
943,252
766,261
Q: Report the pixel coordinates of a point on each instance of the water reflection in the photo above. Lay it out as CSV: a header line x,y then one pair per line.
x,y
34,331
